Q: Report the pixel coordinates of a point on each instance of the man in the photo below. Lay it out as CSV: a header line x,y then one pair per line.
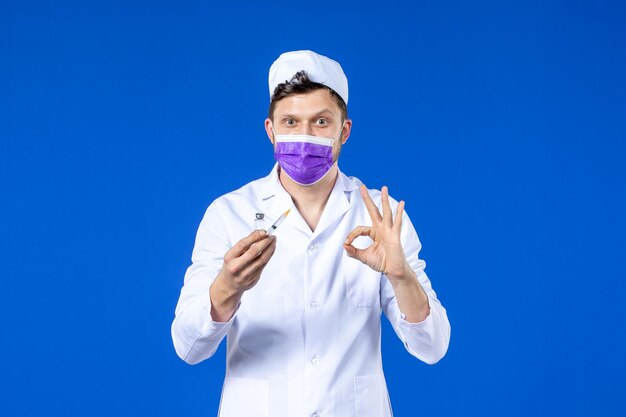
x,y
301,307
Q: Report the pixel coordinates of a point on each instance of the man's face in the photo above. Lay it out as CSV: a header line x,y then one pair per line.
x,y
315,113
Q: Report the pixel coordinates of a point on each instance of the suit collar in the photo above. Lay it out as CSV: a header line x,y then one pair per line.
x,y
276,200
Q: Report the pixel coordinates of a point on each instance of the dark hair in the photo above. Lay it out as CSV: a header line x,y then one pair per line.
x,y
301,83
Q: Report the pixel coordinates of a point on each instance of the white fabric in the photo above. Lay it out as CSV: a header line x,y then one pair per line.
x,y
305,138
306,339
319,68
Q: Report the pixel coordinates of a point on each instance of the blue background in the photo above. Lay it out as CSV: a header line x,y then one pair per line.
x,y
502,125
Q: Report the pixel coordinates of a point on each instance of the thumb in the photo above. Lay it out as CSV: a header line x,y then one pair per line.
x,y
353,252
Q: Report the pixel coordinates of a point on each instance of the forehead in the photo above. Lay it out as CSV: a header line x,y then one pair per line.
x,y
307,104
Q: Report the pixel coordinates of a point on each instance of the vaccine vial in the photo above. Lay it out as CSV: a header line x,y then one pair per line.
x,y
259,221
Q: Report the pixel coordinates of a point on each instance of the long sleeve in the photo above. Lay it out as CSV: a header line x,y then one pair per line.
x,y
195,335
427,340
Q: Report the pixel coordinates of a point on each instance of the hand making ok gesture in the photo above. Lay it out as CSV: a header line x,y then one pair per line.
x,y
385,254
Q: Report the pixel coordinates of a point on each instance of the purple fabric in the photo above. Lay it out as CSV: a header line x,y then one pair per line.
x,y
304,162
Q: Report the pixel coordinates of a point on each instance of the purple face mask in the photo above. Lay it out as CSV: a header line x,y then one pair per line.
x,y
306,159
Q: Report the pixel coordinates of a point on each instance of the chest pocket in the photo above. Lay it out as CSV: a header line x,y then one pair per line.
x,y
362,285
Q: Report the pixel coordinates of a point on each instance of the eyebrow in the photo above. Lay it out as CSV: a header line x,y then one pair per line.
x,y
319,113
324,111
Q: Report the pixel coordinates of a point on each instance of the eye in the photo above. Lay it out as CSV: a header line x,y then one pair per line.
x,y
322,122
290,122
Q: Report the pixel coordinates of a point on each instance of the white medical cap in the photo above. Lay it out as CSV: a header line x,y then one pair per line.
x,y
319,68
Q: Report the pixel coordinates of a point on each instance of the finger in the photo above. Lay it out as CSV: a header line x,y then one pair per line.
x,y
355,253
247,263
371,207
387,219
257,249
397,223
358,231
257,265
244,244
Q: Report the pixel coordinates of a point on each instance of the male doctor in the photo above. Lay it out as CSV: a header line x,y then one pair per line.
x,y
301,307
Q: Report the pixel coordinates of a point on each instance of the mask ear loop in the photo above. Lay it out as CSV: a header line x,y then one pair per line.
x,y
340,132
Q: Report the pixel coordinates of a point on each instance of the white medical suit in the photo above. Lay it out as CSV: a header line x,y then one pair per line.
x,y
305,340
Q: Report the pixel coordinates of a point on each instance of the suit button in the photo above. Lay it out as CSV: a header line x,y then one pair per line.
x,y
316,414
313,247
315,361
314,305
